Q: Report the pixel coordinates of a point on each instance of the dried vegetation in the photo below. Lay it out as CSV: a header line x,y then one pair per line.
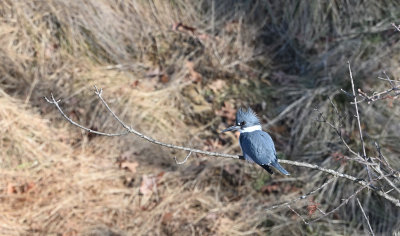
x,y
177,70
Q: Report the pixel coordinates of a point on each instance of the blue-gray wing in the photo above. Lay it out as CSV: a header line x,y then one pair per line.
x,y
257,146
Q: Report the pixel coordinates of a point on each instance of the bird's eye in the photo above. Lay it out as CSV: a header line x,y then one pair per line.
x,y
243,123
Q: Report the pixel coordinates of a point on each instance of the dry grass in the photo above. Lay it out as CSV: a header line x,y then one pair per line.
x,y
169,83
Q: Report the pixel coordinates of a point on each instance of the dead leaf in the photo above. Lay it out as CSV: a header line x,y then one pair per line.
x,y
194,75
160,175
134,84
19,189
28,187
49,50
280,129
312,207
164,78
148,185
150,84
213,144
232,27
274,188
339,157
154,73
167,217
183,28
227,111
217,85
204,37
130,166
11,189
232,169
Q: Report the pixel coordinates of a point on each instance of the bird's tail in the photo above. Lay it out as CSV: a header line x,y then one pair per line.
x,y
266,167
279,167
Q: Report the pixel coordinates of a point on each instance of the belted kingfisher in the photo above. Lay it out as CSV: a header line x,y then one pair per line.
x,y
257,146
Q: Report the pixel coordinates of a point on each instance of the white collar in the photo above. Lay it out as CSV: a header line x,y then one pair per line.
x,y
250,129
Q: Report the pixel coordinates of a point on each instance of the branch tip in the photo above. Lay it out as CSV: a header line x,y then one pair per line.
x,y
184,161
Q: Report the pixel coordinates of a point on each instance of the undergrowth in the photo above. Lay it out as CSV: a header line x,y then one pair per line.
x,y
182,83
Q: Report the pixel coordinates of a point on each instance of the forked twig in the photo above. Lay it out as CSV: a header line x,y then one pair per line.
x,y
302,196
55,102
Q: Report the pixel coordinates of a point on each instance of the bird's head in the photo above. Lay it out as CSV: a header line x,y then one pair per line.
x,y
245,120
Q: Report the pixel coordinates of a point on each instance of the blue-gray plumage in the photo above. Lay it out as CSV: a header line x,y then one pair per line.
x,y
257,146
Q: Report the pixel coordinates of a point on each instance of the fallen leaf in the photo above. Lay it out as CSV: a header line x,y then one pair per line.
x,y
154,73
270,188
194,75
232,27
213,144
183,28
164,78
339,157
160,175
18,189
217,85
148,185
130,166
28,187
134,84
227,111
11,189
312,207
167,217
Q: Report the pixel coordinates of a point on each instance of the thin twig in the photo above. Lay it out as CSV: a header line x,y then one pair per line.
x,y
357,113
366,218
344,202
388,79
295,212
381,95
359,122
303,196
184,161
324,214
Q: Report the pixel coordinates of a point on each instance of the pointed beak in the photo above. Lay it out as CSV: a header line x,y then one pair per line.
x,y
232,128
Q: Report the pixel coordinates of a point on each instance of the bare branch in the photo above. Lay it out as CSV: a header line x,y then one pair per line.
x,y
358,158
366,218
129,129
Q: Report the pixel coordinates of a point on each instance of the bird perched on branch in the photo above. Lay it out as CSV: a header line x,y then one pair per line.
x,y
257,146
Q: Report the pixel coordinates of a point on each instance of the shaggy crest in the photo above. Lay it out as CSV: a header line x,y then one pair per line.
x,y
247,115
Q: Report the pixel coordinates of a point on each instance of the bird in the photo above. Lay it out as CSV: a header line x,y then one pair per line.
x,y
257,146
